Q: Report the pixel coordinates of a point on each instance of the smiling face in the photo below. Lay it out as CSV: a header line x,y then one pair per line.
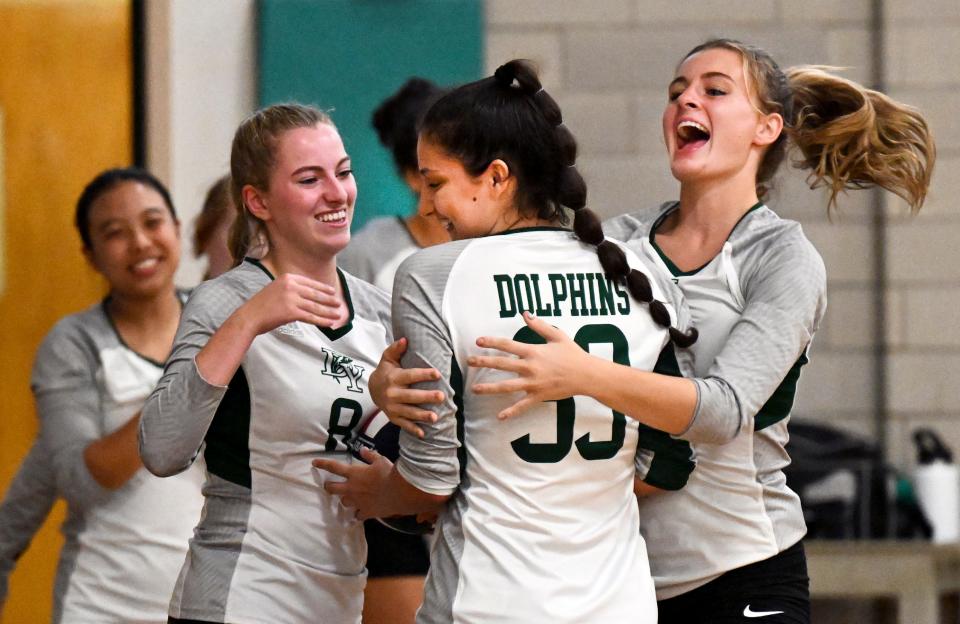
x,y
308,206
134,240
467,206
711,125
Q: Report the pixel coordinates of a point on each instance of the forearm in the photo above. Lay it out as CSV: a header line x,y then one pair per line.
x,y
643,489
219,359
403,499
660,401
114,458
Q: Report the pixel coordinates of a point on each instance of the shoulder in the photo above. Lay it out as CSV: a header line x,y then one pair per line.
x,y
634,224
233,287
766,244
435,259
72,343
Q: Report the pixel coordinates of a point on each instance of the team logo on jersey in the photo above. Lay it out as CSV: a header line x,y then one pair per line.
x,y
342,369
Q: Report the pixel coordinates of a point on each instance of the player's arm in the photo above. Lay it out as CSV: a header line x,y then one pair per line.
x,y
70,413
216,330
24,508
784,303
427,472
560,368
376,489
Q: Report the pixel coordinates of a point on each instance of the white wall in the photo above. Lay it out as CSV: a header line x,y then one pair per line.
x,y
201,83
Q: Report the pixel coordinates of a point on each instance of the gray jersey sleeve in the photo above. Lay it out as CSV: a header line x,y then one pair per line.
x,y
24,508
375,244
785,291
431,464
68,404
178,413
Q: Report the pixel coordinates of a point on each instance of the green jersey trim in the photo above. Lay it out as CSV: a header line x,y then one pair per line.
x,y
227,450
674,269
456,383
780,403
673,458
331,333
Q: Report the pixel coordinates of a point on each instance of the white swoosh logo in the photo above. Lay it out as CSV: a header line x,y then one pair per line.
x,y
755,614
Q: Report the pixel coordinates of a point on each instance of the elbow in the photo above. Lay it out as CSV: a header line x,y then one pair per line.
x,y
717,417
162,465
159,463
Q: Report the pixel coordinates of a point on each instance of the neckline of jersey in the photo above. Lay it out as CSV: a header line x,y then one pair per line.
x,y
116,332
532,228
331,333
673,268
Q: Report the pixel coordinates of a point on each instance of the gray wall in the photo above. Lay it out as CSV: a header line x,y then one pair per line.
x,y
608,63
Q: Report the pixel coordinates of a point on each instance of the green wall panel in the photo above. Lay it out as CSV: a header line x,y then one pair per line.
x,y
346,56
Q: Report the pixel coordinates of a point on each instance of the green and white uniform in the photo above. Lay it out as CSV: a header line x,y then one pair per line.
x,y
757,305
542,525
272,545
122,547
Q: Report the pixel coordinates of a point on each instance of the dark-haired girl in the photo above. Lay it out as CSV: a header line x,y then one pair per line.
x,y
727,546
396,562
379,248
126,531
540,523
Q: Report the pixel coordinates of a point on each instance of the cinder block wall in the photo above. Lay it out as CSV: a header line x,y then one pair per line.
x,y
609,62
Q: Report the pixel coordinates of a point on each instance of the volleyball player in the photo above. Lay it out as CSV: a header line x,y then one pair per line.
x,y
126,531
268,371
727,547
541,523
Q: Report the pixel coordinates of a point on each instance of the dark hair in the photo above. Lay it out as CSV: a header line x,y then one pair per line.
x,y
217,206
396,119
510,117
108,180
848,136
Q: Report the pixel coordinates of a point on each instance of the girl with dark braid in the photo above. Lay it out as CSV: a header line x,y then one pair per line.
x,y
539,522
726,548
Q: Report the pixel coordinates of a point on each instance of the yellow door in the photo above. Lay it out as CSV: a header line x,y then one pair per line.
x,y
66,102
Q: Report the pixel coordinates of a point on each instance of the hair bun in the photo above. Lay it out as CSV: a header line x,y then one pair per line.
x,y
506,74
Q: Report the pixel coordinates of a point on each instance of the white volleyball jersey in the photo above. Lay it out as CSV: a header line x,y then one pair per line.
x,y
542,526
272,545
756,305
123,547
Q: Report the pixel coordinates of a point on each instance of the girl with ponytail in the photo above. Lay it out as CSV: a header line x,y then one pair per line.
x,y
269,370
499,171
728,545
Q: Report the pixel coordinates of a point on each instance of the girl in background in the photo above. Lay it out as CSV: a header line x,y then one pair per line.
x,y
126,531
385,242
212,228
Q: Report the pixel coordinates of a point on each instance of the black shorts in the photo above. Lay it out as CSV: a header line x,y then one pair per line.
x,y
773,591
391,553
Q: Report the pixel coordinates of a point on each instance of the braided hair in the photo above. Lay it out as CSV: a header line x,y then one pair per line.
x,y
509,116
